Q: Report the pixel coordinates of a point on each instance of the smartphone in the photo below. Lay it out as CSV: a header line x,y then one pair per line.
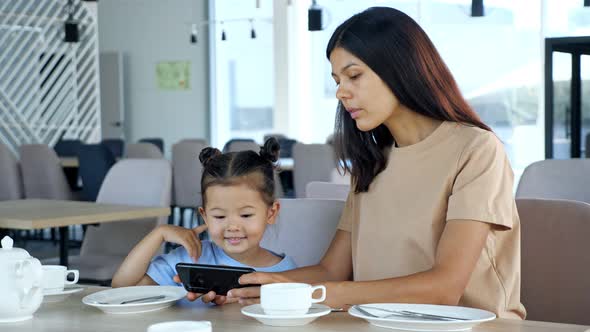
x,y
202,278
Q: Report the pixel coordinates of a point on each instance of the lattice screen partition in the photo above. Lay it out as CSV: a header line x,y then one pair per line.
x,y
48,88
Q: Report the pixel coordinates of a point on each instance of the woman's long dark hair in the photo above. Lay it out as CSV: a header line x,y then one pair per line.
x,y
395,47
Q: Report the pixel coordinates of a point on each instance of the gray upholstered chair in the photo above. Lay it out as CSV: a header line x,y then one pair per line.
x,y
142,182
236,146
143,151
327,190
555,260
11,184
187,170
556,179
311,162
304,229
43,176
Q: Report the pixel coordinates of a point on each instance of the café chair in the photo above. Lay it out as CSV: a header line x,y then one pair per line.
x,y
311,162
142,182
304,229
554,260
11,185
143,151
187,170
327,190
556,179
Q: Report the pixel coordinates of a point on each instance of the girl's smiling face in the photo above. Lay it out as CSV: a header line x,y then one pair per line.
x,y
236,216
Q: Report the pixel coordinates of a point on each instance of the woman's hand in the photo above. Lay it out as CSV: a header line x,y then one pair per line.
x,y
188,238
251,295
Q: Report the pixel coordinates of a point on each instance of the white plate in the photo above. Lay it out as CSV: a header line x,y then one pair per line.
x,y
59,296
112,298
316,310
474,316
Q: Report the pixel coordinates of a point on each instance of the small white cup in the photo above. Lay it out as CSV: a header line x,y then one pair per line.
x,y
288,299
55,277
181,326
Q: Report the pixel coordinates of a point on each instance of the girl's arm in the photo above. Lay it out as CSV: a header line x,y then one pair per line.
x,y
133,270
457,253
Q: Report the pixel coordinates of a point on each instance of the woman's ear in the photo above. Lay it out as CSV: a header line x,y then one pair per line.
x,y
203,214
273,212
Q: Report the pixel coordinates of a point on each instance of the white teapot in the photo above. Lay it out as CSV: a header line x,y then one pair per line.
x,y
20,283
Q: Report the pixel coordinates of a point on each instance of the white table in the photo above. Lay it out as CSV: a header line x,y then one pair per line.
x,y
73,316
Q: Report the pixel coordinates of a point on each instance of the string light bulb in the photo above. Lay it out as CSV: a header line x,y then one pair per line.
x,y
223,36
252,31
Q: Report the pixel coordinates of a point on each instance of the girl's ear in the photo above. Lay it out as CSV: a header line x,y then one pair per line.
x,y
273,212
203,214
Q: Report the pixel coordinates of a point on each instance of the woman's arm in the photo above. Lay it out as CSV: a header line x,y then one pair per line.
x,y
336,265
457,253
133,270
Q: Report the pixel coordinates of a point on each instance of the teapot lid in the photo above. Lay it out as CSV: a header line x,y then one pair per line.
x,y
8,252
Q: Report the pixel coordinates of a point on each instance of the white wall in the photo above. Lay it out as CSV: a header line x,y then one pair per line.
x,y
147,32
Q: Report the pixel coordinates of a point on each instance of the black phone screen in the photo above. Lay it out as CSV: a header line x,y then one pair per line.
x,y
202,278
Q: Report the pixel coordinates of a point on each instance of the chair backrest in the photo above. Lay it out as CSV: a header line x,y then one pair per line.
x,y
187,171
67,147
327,190
95,161
304,229
556,179
11,183
43,176
311,162
555,264
143,151
195,140
237,146
143,182
115,145
159,142
228,144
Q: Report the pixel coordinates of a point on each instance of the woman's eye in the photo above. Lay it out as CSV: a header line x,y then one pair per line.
x,y
247,215
354,77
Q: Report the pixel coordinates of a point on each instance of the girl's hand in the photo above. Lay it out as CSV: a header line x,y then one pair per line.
x,y
251,295
188,238
206,298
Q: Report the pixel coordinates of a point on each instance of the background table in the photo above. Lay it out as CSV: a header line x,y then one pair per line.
x,y
28,214
72,315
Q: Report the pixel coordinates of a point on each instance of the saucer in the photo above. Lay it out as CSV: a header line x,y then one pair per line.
x,y
109,301
58,296
316,310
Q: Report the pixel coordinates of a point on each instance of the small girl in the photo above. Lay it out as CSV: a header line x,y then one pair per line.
x,y
238,204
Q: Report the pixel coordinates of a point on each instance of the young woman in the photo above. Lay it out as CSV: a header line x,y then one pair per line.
x,y
238,204
431,217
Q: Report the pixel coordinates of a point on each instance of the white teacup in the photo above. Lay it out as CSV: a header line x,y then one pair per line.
x,y
55,277
182,325
288,299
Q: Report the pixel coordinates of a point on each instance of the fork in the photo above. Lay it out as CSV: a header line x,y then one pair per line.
x,y
409,314
157,297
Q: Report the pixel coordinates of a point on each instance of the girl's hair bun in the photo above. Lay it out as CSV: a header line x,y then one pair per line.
x,y
208,154
270,150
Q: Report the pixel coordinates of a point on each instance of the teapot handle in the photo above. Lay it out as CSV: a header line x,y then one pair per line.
x,y
28,289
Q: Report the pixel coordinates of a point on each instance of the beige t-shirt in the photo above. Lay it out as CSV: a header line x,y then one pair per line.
x,y
457,172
